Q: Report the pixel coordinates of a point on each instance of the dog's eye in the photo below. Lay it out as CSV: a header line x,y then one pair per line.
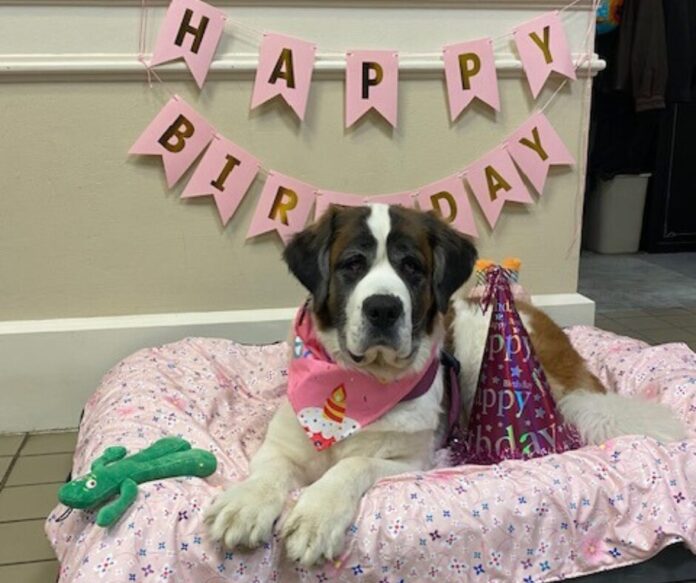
x,y
411,266
354,265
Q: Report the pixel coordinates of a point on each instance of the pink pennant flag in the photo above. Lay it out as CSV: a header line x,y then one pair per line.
x,y
325,198
543,48
285,69
535,146
191,30
225,172
178,134
284,206
470,73
448,198
372,81
493,180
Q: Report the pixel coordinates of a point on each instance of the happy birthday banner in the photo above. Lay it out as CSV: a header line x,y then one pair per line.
x,y
192,30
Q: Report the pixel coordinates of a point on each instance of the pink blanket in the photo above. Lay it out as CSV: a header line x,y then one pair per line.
x,y
563,515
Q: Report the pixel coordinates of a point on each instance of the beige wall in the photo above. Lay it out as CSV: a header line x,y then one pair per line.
x,y
86,230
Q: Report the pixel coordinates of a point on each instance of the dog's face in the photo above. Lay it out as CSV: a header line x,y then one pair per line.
x,y
380,277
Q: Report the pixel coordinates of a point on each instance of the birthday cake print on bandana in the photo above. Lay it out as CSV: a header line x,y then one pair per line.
x,y
326,424
332,402
513,415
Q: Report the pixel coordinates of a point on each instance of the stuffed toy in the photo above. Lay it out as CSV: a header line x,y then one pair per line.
x,y
115,474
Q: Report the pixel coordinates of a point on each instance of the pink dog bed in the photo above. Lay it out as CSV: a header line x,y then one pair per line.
x,y
566,515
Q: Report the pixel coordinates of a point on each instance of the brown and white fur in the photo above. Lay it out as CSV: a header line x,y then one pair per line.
x,y
381,279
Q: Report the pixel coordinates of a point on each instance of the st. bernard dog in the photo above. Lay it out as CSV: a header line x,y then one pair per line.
x,y
381,281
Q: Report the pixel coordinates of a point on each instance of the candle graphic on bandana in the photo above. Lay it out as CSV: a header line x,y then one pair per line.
x,y
327,424
335,409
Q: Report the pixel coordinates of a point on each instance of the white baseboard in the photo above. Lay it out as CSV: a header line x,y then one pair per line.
x,y
48,368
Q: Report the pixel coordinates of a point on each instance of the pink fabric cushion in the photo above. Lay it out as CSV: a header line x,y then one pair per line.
x,y
563,515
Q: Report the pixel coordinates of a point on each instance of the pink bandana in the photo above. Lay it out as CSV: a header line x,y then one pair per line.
x,y
332,402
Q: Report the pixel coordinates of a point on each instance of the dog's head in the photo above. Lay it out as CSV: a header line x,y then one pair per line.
x,y
380,278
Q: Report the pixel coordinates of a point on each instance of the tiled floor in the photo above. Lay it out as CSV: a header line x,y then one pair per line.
x,y
32,468
639,281
648,296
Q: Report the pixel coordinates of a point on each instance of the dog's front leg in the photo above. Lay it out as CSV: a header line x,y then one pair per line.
x,y
315,528
245,513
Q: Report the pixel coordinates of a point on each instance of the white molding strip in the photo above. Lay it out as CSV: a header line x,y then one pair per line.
x,y
50,68
48,368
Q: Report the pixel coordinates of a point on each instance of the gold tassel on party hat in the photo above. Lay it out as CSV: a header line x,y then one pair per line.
x,y
512,266
512,263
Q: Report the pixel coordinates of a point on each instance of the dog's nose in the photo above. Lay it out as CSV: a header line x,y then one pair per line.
x,y
382,310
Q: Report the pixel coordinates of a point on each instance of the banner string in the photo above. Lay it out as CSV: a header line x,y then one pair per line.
x,y
142,41
257,34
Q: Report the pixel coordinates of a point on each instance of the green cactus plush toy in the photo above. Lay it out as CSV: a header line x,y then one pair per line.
x,y
114,473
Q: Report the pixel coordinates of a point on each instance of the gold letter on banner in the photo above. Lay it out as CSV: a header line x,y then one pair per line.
x,y
469,65
368,66
543,44
447,197
219,182
281,207
495,182
285,58
181,129
186,28
536,144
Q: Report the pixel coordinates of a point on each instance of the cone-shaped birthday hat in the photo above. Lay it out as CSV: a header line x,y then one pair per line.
x,y
513,415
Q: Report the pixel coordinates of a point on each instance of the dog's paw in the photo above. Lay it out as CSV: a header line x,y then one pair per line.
x,y
316,527
244,514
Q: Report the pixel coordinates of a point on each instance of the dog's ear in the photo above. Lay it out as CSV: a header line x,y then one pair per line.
x,y
307,256
454,256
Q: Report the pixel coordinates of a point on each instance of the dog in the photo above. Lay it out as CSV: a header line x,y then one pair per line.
x,y
383,282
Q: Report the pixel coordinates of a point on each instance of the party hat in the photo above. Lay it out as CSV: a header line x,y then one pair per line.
x,y
513,415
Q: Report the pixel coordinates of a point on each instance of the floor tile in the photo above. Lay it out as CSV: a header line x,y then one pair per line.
x,y
4,465
24,541
614,326
43,572
39,469
9,444
633,313
664,336
681,321
661,312
27,502
50,443
643,323
639,336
